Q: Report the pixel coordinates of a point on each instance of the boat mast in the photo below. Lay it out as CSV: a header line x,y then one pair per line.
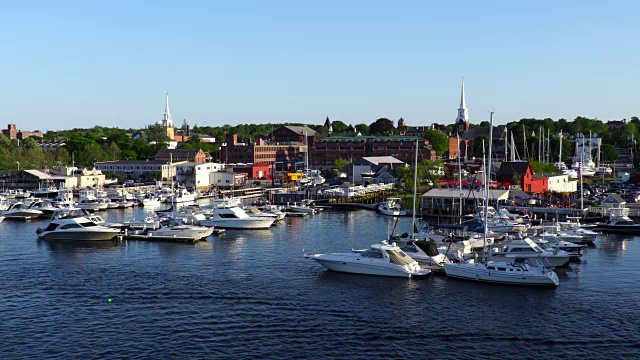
x,y
486,188
540,136
506,145
415,192
560,155
581,169
459,176
524,143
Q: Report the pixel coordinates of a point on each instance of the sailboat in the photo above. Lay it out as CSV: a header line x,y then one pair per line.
x,y
520,271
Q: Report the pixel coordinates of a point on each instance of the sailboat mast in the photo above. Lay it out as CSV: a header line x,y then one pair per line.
x,y
524,143
560,154
506,145
581,169
459,176
548,145
487,175
415,192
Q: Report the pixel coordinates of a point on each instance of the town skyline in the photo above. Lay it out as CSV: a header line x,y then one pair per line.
x,y
81,66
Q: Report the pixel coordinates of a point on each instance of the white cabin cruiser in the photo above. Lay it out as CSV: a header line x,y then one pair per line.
x,y
381,259
178,230
20,211
181,196
233,217
151,201
45,206
72,224
425,253
526,248
90,202
520,271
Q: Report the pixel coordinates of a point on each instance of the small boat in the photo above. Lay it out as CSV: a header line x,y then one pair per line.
x,y
110,204
181,196
302,208
72,224
20,211
89,201
391,207
381,259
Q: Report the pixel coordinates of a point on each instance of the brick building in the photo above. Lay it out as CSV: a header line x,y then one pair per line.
x,y
261,151
351,148
190,155
13,133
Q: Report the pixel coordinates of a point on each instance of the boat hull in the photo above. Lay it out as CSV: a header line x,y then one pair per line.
x,y
366,269
620,229
240,224
79,235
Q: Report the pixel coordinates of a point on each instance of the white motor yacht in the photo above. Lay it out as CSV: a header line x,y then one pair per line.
x,y
181,196
110,204
45,206
521,271
619,222
152,201
300,208
233,217
90,202
381,259
425,253
575,251
178,230
72,224
65,198
149,222
391,207
253,212
526,248
273,209
20,211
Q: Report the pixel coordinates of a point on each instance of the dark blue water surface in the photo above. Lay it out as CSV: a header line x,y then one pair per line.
x,y
252,294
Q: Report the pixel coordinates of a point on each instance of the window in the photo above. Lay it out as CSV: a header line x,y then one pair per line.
x,y
502,269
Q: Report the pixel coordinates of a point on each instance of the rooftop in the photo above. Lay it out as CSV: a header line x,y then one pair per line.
x,y
454,193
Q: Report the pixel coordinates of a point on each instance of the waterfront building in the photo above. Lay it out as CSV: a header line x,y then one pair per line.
x,y
326,151
188,155
195,175
367,168
227,179
289,149
446,201
139,169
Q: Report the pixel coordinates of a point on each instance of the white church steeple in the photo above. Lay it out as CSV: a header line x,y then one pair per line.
x,y
462,121
166,119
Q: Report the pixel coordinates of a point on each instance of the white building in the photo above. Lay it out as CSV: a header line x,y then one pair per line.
x,y
197,175
561,183
227,179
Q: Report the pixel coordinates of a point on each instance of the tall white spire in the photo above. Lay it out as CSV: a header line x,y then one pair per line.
x,y
166,119
462,111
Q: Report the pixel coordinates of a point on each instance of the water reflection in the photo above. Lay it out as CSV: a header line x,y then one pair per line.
x,y
78,249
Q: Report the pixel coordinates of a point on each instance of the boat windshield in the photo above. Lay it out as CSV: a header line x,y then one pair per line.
x,y
399,257
372,253
88,224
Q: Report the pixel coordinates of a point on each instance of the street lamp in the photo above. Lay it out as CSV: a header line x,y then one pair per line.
x,y
18,162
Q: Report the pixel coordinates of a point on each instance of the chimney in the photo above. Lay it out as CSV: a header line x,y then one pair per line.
x,y
188,131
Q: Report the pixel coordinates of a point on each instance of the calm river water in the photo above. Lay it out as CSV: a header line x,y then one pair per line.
x,y
252,295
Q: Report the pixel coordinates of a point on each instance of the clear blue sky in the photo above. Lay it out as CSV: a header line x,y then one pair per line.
x,y
80,64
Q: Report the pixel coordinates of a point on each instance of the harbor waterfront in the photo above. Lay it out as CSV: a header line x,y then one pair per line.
x,y
252,294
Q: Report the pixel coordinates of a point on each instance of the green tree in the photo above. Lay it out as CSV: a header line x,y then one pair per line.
x,y
363,129
382,126
608,152
438,140
339,165
339,127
